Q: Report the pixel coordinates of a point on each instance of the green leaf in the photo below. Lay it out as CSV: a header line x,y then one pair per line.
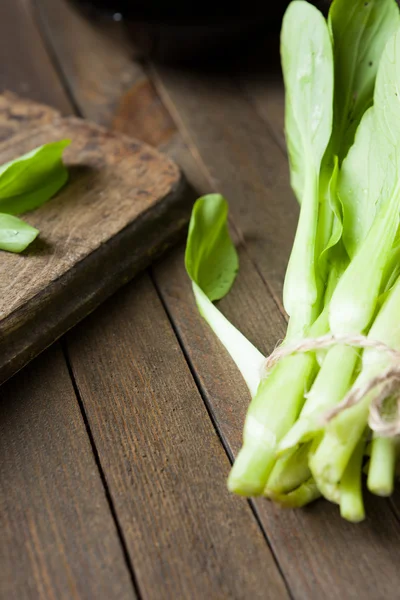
x,y
359,33
32,179
360,30
211,259
212,264
369,189
371,170
15,235
336,209
307,63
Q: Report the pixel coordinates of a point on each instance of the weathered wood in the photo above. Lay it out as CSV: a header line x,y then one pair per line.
x,y
319,553
240,159
163,461
143,406
109,87
58,538
17,112
25,66
315,547
124,203
260,76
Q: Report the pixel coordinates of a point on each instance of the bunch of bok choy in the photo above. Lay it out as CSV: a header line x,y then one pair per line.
x,y
342,126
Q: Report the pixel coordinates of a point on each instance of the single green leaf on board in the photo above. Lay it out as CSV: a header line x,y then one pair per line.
x,y
212,264
307,63
360,30
15,235
32,179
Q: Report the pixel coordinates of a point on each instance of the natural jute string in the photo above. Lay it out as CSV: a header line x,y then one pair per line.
x,y
385,384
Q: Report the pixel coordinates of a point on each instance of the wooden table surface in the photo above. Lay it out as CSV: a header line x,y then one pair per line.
x,y
116,443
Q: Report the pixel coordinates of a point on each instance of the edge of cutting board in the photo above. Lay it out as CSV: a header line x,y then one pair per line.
x,y
94,273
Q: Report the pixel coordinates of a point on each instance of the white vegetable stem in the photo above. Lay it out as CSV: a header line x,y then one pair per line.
x,y
247,358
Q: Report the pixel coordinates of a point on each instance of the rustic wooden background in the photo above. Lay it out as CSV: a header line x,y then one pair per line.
x,y
116,443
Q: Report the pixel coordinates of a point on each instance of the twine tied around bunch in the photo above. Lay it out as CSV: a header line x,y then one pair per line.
x,y
383,385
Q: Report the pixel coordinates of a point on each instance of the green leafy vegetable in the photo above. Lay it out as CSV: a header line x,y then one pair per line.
x,y
15,235
25,184
360,31
342,125
307,63
212,264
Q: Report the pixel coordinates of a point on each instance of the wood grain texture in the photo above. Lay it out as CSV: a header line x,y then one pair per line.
x,y
260,77
17,113
58,539
188,525
241,160
110,86
124,204
319,553
164,464
315,548
26,68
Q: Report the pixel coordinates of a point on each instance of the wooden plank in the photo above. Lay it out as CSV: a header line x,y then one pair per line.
x,y
260,77
163,461
109,87
123,205
315,548
16,111
58,539
240,159
151,429
26,68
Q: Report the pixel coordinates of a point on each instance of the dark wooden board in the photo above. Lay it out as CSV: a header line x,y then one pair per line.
x,y
123,205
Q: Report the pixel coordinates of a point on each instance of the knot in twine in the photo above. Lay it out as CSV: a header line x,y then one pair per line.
x,y
383,385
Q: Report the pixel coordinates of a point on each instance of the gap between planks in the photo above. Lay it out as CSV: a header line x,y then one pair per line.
x,y
97,460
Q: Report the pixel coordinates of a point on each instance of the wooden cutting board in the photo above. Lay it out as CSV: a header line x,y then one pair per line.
x,y
124,204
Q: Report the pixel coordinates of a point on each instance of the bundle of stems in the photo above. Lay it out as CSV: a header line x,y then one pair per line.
x,y
302,436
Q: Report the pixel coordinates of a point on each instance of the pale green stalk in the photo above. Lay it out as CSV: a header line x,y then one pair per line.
x,y
306,493
382,466
268,420
272,412
345,430
351,500
349,313
290,471
246,357
327,391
